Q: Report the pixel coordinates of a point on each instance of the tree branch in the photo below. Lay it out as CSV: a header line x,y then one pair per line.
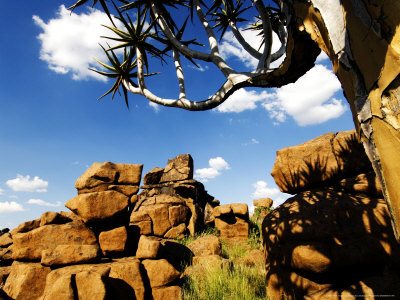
x,y
267,29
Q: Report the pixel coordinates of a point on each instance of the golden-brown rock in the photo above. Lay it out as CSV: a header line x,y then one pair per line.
x,y
127,278
5,240
29,245
69,254
325,238
263,202
160,272
114,241
168,292
60,289
90,285
148,247
26,281
98,206
178,168
206,245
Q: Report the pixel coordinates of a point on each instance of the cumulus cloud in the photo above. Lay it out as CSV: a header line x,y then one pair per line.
x,y
231,48
26,184
309,100
263,191
7,207
242,100
43,203
216,164
70,42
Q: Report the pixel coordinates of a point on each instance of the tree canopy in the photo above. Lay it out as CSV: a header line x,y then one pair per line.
x,y
149,28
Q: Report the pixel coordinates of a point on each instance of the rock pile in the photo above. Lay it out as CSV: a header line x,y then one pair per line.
x,y
114,242
232,221
333,239
171,203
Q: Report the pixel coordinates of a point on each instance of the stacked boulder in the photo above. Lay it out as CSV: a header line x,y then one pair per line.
x,y
171,204
113,243
334,238
106,192
232,221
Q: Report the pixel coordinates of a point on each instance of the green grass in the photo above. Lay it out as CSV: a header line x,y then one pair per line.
x,y
235,279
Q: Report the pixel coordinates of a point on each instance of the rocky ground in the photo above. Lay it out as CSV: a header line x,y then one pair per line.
x,y
124,240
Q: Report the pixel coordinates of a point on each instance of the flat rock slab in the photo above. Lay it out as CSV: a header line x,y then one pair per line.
x,y
70,254
98,207
324,158
29,245
109,173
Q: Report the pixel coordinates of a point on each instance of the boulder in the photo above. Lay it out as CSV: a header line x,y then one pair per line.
x,y
114,241
69,254
206,245
6,256
148,247
323,239
322,159
101,175
159,215
26,281
255,258
178,168
241,210
126,277
232,221
153,177
4,272
51,217
98,207
176,232
5,240
26,226
90,285
167,292
178,214
263,202
60,289
127,190
366,183
160,272
29,245
237,230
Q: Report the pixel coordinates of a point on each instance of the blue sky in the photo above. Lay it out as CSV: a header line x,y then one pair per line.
x,y
52,128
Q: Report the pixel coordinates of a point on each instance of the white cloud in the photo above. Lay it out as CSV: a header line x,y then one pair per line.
x,y
25,184
1,191
70,42
43,203
7,207
231,48
263,191
322,57
242,100
308,100
216,164
253,141
154,106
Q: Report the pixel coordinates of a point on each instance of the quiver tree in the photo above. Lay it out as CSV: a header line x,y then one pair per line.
x,y
361,38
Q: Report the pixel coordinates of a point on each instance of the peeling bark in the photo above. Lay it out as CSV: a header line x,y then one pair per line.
x,y
362,39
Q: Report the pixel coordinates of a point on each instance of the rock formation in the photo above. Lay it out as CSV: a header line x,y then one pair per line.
x,y
114,242
171,203
333,239
232,221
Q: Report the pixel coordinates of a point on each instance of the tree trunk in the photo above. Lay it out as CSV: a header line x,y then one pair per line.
x,y
362,40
